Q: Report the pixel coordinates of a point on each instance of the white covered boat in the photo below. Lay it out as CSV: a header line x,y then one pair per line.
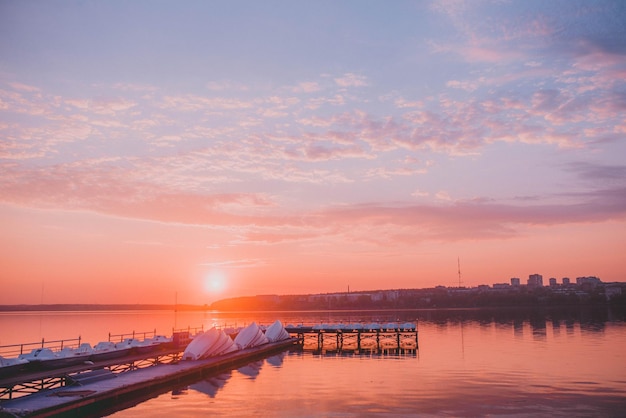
x,y
106,350
200,343
213,342
10,366
138,346
77,355
224,345
276,332
48,359
250,336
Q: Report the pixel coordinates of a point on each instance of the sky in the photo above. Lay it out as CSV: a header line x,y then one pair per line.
x,y
162,151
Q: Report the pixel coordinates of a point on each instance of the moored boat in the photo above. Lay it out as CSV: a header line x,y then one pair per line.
x,y
44,358
200,344
106,350
224,345
12,366
250,336
276,332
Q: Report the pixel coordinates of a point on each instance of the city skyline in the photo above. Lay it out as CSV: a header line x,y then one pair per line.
x,y
213,150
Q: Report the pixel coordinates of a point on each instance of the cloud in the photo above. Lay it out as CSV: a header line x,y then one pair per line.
x,y
351,80
477,219
402,103
226,85
102,105
321,151
317,102
24,87
443,195
419,193
388,173
141,88
489,54
306,87
599,173
110,187
195,103
466,85
238,264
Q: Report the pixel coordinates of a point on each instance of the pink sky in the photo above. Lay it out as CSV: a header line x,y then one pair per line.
x,y
148,151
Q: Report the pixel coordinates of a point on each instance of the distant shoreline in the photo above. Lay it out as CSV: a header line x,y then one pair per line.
x,y
68,307
593,293
197,308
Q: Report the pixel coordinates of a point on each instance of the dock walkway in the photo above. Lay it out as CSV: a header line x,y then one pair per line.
x,y
100,394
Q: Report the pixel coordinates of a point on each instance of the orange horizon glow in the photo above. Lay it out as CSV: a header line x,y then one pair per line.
x,y
91,258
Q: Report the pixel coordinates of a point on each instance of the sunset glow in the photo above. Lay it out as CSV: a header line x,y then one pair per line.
x,y
209,150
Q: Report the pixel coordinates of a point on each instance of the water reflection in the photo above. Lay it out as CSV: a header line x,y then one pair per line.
x,y
251,370
556,327
538,326
211,385
470,363
276,360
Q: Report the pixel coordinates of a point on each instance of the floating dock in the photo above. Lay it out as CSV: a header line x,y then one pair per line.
x,y
91,390
389,338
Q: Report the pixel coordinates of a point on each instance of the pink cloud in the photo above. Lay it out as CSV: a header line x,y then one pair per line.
x,y
321,151
403,103
192,102
106,186
387,173
464,85
109,190
489,54
24,87
477,220
351,80
226,85
306,87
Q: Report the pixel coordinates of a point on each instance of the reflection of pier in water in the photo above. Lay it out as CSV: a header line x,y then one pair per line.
x,y
358,338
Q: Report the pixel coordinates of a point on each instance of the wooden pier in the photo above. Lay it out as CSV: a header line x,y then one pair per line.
x,y
32,381
88,390
358,338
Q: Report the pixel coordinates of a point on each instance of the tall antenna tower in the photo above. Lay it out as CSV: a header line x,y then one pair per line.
x,y
458,260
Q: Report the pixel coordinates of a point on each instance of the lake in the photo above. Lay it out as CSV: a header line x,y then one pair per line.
x,y
469,363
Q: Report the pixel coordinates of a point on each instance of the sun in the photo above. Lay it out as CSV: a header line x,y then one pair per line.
x,y
215,282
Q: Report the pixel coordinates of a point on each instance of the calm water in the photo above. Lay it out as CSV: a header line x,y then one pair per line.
x,y
469,363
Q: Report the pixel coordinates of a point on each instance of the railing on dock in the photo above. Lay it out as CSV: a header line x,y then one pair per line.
x,y
134,335
190,330
14,350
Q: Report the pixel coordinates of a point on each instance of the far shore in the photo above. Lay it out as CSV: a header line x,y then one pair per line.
x,y
69,307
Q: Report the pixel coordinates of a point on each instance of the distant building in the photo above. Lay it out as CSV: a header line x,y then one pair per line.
x,y
612,291
565,280
353,297
552,281
592,280
515,281
378,296
535,280
501,286
392,294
